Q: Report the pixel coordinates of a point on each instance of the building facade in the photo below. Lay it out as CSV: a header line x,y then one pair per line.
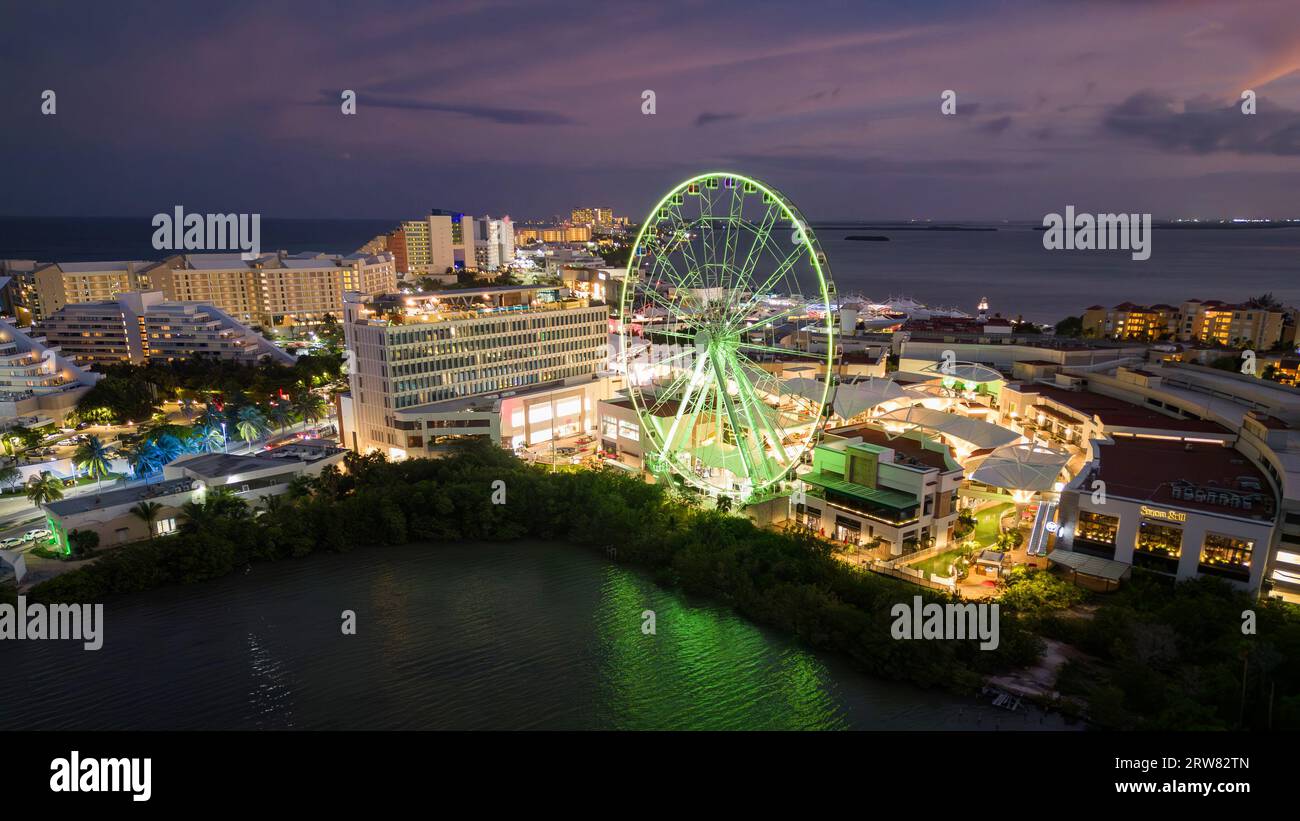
x,y
1209,322
434,366
38,384
280,291
188,479
867,487
1178,509
140,326
62,283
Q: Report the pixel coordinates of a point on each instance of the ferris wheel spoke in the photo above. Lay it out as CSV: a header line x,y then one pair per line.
x,y
771,319
688,250
684,404
708,245
756,406
738,431
777,349
755,252
735,215
757,294
662,363
675,309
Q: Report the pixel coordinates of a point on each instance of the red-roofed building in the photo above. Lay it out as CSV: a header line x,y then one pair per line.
x,y
1175,508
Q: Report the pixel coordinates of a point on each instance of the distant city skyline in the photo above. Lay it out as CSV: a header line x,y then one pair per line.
x,y
1102,105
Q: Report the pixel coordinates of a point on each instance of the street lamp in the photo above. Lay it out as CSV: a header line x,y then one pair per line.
x,y
225,445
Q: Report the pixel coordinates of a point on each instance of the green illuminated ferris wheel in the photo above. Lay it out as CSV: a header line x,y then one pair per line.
x,y
728,334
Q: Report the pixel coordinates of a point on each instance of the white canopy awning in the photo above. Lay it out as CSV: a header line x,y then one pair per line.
x,y
962,372
1022,466
979,434
853,398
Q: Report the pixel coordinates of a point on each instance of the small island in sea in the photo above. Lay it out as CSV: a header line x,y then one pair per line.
x,y
866,238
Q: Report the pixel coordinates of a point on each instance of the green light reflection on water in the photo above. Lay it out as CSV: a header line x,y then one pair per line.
x,y
704,669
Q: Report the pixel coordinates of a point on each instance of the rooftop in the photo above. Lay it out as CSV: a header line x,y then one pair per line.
x,y
909,447
1159,471
1118,413
121,496
882,496
217,465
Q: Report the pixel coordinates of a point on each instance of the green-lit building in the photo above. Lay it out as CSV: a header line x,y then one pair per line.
x,y
868,484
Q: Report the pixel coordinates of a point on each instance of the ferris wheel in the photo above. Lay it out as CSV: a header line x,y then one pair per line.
x,y
728,333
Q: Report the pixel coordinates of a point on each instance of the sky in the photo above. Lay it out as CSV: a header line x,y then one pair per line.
x,y
532,108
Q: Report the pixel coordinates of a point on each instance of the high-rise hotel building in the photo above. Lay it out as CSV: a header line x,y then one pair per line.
x,y
428,245
518,364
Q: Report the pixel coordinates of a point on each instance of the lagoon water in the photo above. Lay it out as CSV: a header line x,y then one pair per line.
x,y
461,636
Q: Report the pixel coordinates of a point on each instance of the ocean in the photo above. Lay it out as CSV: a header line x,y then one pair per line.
x,y
1006,262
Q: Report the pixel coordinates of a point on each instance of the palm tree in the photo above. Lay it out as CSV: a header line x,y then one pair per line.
x,y
208,440
188,408
211,418
148,511
274,504
144,459
281,415
45,489
252,424
92,456
170,447
194,515
10,475
309,406
219,504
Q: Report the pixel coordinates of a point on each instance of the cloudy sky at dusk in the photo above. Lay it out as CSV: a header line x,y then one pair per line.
x,y
531,108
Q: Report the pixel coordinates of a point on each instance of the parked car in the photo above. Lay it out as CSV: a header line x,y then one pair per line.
x,y
12,542
39,534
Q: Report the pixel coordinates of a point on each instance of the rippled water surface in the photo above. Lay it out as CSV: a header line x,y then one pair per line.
x,y
479,636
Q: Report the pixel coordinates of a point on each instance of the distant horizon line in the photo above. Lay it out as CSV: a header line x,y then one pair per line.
x,y
1188,221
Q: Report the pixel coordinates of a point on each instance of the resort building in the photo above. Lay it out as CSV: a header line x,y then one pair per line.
x,y
279,291
38,384
62,283
187,479
592,216
426,245
559,233
18,297
1130,321
1200,321
869,487
141,326
518,364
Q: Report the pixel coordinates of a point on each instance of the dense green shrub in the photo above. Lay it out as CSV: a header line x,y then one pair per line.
x,y
1163,656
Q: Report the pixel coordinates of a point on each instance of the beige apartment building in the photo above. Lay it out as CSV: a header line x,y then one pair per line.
x,y
283,292
562,233
515,363
62,283
1210,322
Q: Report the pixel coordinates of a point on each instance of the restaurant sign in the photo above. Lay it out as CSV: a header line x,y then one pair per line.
x,y
1166,515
